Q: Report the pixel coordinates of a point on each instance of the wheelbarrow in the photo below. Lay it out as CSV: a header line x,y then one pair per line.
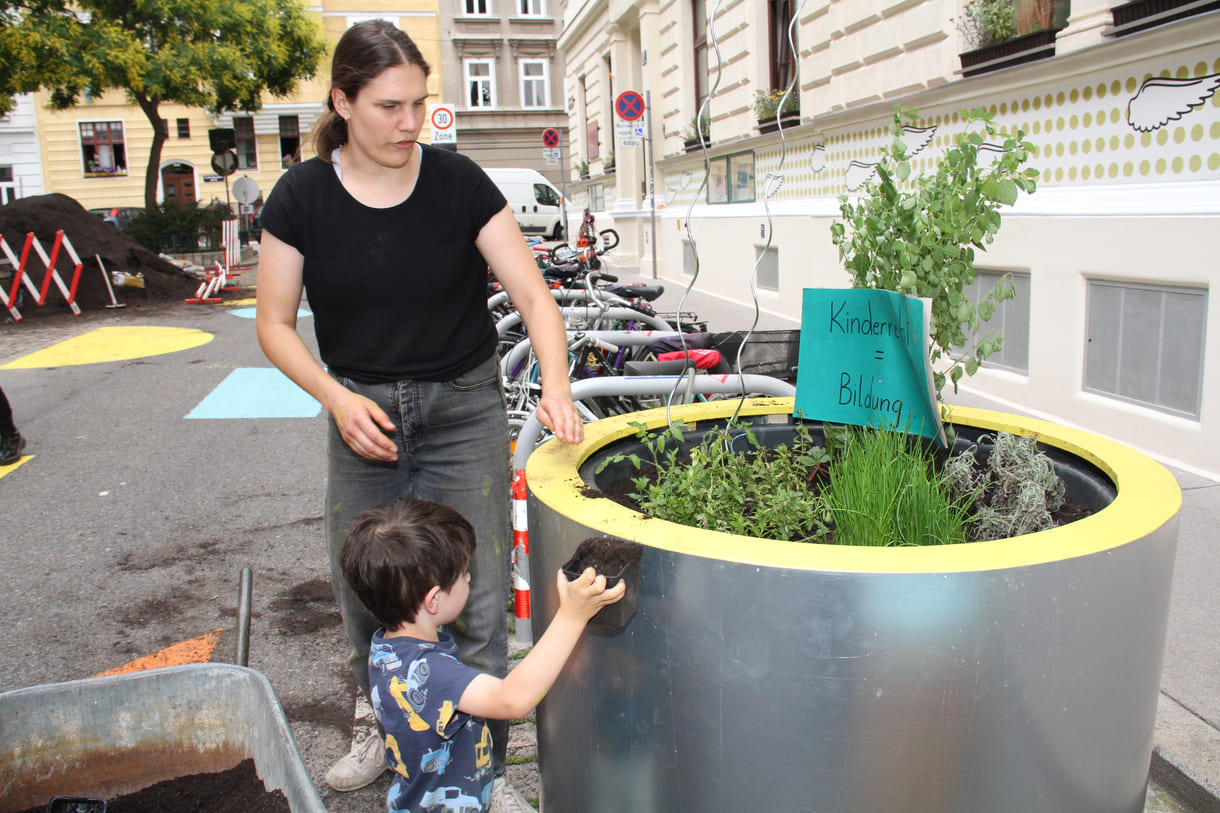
x,y
110,736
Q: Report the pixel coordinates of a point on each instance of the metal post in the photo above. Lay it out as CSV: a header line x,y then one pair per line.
x,y
563,193
652,187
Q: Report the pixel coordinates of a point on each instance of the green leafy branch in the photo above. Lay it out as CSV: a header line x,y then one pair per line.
x,y
917,234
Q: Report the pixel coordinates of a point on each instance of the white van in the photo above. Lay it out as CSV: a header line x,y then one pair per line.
x,y
534,201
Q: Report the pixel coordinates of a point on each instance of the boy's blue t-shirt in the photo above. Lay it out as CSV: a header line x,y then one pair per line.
x,y
441,757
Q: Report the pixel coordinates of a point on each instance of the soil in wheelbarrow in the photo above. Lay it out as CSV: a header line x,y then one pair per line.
x,y
237,790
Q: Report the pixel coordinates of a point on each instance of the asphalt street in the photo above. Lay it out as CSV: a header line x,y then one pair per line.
x,y
127,530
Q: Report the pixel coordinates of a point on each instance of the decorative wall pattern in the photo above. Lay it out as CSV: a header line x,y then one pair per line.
x,y
1158,122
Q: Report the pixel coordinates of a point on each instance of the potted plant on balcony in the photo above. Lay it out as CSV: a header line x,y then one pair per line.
x,y
697,133
1002,33
1010,675
767,108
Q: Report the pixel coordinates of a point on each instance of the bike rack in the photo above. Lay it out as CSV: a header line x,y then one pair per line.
x,y
620,337
590,314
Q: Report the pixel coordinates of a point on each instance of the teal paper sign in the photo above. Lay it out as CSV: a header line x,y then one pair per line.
x,y
864,361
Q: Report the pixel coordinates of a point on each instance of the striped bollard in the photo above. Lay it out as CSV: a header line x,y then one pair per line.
x,y
521,561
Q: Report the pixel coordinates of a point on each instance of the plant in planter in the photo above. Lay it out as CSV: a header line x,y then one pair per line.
x,y
609,163
769,105
698,132
917,235
1002,33
984,22
862,487
583,170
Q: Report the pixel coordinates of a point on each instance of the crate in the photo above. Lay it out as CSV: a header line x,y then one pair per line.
x,y
773,353
110,736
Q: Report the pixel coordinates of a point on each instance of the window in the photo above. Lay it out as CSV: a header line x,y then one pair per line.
x,y
103,150
545,195
732,179
1144,343
783,61
290,141
768,268
184,128
480,83
532,8
1010,321
478,6
534,83
8,190
247,147
597,197
699,10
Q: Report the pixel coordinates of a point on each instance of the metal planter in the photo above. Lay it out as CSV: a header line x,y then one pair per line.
x,y
1006,676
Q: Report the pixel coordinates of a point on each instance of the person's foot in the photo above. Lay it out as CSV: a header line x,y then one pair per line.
x,y
10,448
362,765
507,799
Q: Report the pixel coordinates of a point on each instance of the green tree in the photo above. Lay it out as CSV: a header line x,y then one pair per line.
x,y
220,55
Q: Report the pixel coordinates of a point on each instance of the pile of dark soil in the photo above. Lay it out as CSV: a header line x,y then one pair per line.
x,y
43,215
238,790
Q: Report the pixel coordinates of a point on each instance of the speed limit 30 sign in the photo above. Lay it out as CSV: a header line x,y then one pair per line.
x,y
444,124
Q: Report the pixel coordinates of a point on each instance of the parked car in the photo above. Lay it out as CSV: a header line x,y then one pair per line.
x,y
535,202
117,216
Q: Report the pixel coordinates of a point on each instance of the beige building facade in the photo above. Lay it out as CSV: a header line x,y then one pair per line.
x,y
1112,329
504,76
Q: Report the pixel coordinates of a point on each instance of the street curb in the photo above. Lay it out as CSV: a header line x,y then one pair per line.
x,y
1191,790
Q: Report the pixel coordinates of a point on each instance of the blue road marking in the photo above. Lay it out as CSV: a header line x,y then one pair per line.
x,y
256,392
249,313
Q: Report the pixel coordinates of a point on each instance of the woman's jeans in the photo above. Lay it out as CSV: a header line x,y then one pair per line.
x,y
452,440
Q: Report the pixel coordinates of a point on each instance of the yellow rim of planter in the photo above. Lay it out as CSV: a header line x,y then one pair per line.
x,y
1148,497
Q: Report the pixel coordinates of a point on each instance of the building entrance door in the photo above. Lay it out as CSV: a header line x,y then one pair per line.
x,y
178,183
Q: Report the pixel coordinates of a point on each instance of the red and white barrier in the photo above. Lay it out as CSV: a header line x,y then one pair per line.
x,y
23,275
230,244
214,281
521,561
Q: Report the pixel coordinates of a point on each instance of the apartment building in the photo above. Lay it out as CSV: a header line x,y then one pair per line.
x,y
505,78
1112,329
97,152
20,163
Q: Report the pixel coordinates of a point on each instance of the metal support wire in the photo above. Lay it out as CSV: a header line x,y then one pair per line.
x,y
771,185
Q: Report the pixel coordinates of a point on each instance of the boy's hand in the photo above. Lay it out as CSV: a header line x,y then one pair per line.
x,y
585,595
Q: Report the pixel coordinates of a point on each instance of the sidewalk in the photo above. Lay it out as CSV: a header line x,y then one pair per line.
x,y
1186,756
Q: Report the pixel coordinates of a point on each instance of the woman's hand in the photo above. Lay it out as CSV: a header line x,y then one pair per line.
x,y
361,423
558,414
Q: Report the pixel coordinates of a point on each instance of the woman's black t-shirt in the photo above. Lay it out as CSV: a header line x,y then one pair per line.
x,y
396,293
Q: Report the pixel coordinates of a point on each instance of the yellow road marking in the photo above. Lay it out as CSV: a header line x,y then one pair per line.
x,y
112,344
12,467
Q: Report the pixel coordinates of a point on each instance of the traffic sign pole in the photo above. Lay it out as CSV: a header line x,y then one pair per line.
x,y
652,186
551,140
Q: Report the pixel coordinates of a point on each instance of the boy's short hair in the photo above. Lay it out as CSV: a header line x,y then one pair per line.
x,y
397,552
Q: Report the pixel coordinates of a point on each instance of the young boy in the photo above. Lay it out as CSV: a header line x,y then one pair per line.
x,y
407,561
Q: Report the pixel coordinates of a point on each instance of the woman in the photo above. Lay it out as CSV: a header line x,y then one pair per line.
x,y
391,241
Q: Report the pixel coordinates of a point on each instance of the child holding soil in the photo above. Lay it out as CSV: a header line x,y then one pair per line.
x,y
407,560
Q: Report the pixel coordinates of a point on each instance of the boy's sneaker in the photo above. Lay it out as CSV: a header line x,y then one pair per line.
x,y
10,448
507,799
362,766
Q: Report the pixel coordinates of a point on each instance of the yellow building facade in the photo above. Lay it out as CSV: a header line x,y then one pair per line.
x,y
98,151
